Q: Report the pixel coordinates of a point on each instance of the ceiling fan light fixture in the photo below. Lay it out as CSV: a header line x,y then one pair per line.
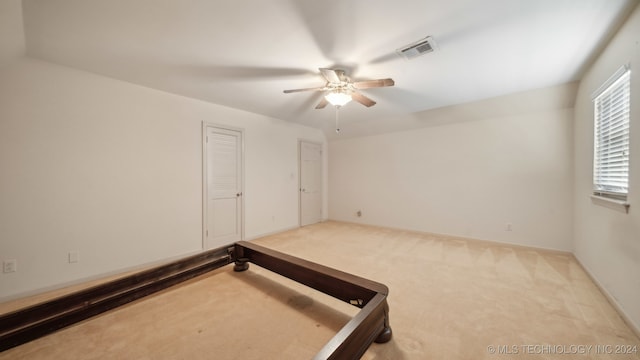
x,y
338,98
340,90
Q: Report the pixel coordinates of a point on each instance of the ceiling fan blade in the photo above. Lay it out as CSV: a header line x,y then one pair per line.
x,y
238,73
362,99
322,103
373,83
332,76
322,88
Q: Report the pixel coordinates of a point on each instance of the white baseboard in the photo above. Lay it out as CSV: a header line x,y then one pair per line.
x,y
108,274
634,327
271,233
87,279
458,237
288,228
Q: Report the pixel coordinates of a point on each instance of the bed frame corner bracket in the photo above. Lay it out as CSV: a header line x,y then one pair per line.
x,y
231,251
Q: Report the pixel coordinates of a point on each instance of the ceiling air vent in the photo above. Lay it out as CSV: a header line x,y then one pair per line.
x,y
418,48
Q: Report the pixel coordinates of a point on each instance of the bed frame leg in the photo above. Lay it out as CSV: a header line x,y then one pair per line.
x,y
386,333
384,336
241,265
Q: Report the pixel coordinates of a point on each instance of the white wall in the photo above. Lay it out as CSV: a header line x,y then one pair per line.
x,y
475,170
12,44
607,241
114,171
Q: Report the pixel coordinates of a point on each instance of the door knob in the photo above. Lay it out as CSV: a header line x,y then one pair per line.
x,y
239,194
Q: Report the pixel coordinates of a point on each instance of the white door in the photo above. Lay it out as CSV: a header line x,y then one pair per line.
x,y
223,223
310,183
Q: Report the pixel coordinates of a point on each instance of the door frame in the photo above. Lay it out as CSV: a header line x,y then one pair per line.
x,y
205,188
300,141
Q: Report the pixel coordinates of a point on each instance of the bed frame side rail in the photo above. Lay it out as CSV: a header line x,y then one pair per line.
x,y
369,325
30,323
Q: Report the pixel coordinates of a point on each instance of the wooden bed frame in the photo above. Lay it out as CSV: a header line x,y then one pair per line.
x,y
370,324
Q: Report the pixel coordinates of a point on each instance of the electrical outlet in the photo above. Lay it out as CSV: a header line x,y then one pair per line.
x,y
359,213
508,227
9,266
74,257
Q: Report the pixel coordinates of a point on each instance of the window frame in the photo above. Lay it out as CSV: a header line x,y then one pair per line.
x,y
616,94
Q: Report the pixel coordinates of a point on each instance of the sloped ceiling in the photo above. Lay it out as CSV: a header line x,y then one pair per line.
x,y
243,53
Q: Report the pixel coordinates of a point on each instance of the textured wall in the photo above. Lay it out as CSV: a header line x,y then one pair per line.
x,y
480,167
114,171
607,240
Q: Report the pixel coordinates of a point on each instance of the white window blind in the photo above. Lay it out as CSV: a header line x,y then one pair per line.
x,y
611,136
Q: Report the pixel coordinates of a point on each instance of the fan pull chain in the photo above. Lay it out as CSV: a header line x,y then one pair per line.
x,y
337,128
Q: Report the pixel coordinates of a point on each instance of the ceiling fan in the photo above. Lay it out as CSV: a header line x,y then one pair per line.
x,y
340,89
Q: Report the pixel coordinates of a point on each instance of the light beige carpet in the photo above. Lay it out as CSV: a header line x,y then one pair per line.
x,y
449,299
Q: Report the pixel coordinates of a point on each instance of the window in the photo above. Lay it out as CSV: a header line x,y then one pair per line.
x,y
611,136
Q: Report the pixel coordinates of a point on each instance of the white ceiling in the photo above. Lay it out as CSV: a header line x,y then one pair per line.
x,y
243,53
